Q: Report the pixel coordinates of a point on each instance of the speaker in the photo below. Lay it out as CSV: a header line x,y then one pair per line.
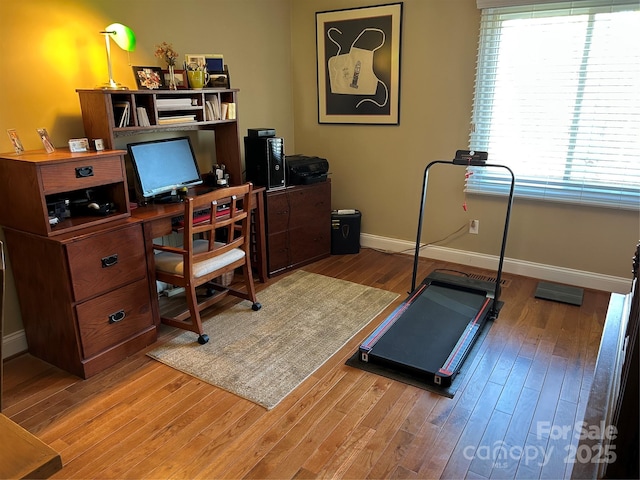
x,y
265,161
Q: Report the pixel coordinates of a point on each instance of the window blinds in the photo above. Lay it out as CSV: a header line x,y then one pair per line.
x,y
557,99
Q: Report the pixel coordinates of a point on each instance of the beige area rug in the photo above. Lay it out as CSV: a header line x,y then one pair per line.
x,y
263,356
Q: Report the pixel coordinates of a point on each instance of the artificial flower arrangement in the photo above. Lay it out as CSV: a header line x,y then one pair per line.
x,y
165,51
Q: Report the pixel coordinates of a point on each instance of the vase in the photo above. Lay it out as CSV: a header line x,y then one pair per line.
x,y
172,79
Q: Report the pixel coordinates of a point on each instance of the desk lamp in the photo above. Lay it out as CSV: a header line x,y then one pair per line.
x,y
126,40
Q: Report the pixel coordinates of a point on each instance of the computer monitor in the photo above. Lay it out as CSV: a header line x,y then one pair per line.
x,y
163,166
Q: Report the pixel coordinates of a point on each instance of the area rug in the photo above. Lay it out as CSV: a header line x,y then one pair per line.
x,y
263,356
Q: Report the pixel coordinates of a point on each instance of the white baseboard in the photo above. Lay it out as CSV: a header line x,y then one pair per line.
x,y
13,344
568,276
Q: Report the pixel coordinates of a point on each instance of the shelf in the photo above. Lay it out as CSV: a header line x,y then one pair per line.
x,y
102,113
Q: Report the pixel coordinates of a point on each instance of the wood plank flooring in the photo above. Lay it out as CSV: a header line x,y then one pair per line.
x,y
142,419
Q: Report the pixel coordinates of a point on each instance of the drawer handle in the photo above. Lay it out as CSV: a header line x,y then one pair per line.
x,y
117,317
109,261
83,172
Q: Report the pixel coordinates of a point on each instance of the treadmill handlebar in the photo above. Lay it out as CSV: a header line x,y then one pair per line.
x,y
467,158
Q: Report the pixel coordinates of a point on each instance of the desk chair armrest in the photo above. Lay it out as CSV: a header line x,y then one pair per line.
x,y
167,248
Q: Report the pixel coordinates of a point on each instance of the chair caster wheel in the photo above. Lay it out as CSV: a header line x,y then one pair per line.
x,y
256,306
202,339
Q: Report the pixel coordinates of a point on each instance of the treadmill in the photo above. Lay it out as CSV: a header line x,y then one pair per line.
x,y
431,333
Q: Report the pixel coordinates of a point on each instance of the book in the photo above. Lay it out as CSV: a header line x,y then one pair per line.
x,y
121,113
176,119
231,111
172,103
208,112
143,118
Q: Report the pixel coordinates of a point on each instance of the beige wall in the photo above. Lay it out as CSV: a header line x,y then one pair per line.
x,y
52,47
378,169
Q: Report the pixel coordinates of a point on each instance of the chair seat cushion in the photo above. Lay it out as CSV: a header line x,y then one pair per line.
x,y
173,263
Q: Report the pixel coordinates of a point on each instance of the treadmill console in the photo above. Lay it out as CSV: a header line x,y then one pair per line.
x,y
470,157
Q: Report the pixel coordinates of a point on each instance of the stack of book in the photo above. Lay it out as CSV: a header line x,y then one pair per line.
x,y
173,103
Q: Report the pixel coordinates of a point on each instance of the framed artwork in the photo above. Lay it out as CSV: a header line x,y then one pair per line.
x,y
358,62
179,75
148,78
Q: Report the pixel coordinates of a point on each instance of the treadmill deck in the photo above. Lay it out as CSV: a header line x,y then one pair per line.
x,y
432,331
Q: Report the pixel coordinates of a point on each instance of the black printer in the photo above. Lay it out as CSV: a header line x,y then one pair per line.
x,y
303,170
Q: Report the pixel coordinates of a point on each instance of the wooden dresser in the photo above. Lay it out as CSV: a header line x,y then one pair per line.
x,y
298,226
81,280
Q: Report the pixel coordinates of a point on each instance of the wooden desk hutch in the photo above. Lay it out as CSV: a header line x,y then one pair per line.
x,y
84,284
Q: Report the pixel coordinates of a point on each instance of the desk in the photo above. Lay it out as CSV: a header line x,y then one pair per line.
x,y
156,223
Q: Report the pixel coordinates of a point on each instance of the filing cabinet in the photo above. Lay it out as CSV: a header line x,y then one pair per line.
x,y
298,226
82,281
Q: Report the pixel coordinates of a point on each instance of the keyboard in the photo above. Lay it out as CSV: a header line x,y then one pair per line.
x,y
199,216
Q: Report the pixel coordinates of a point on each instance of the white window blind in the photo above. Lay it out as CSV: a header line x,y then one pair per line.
x,y
557,99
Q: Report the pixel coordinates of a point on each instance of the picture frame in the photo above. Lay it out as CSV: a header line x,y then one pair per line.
x,y
46,140
179,75
197,58
15,140
148,78
358,65
213,61
220,79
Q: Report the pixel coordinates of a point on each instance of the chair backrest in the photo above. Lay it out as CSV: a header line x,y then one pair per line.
x,y
228,223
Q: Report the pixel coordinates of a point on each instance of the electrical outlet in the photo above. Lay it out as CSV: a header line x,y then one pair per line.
x,y
474,226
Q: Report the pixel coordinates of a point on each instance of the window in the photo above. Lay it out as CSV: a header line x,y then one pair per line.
x,y
557,100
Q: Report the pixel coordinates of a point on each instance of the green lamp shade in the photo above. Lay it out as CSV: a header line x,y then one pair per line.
x,y
122,35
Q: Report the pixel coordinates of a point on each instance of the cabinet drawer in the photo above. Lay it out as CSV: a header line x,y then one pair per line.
x,y
84,173
311,205
277,212
114,317
308,244
278,253
105,261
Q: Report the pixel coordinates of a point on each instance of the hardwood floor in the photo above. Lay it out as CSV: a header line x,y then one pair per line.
x,y
142,419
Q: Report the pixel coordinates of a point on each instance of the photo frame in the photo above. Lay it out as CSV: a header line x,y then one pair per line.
x,y
179,75
220,79
358,65
46,140
197,58
148,78
15,140
213,61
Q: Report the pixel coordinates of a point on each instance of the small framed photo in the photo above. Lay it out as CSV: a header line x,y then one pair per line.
x,y
179,75
148,78
198,58
46,141
15,140
220,80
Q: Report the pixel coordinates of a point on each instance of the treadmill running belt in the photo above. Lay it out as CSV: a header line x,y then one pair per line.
x,y
430,332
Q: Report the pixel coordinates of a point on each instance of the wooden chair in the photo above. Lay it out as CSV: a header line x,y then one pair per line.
x,y
211,247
